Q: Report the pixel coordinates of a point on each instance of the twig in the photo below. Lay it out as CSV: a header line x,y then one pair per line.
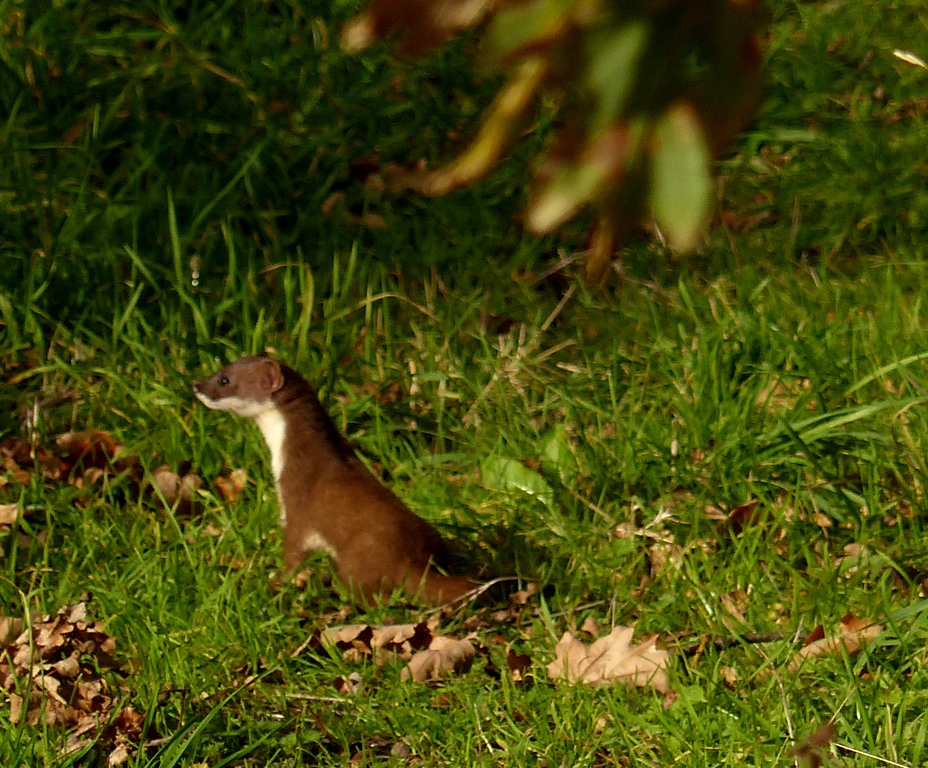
x,y
468,597
589,505
311,697
884,760
750,638
579,608
789,721
303,645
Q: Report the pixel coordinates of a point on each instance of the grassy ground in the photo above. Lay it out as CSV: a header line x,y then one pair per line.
x,y
164,176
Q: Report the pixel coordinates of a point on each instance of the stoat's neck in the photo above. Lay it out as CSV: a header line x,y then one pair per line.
x,y
273,426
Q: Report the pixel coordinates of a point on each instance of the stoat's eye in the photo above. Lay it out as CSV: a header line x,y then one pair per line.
x,y
224,381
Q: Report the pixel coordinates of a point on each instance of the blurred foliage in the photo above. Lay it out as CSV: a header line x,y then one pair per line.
x,y
644,94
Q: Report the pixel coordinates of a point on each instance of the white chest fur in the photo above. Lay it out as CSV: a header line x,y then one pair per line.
x,y
274,428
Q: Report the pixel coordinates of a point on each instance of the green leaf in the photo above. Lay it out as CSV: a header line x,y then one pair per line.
x,y
500,129
527,25
557,457
502,474
614,57
681,182
564,195
580,180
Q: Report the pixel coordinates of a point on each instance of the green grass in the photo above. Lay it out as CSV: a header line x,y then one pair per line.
x,y
785,364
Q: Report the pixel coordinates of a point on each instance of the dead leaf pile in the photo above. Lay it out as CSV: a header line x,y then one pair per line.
x,y
51,668
79,458
88,458
610,659
430,656
379,643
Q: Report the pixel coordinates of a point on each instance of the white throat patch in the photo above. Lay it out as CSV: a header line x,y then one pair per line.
x,y
272,424
274,428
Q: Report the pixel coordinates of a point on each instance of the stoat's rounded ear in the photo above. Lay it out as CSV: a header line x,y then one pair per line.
x,y
272,378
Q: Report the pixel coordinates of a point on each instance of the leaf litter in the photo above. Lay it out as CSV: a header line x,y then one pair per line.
x,y
608,659
53,670
87,458
64,688
430,656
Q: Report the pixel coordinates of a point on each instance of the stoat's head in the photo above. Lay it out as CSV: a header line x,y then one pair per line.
x,y
245,387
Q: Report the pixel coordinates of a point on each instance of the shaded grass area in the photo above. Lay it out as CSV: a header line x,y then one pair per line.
x,y
160,216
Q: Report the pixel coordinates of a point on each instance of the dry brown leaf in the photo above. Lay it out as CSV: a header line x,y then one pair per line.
x,y
231,486
23,458
445,656
176,489
729,678
356,640
10,629
16,707
853,635
352,637
401,637
735,603
590,626
118,756
93,448
348,685
745,515
518,663
610,659
9,513
514,610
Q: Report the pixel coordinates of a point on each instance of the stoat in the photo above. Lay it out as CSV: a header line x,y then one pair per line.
x,y
328,499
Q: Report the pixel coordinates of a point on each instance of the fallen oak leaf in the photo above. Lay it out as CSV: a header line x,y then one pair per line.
x,y
231,486
91,448
352,640
854,634
590,626
611,659
9,513
176,489
445,656
10,629
118,756
402,638
16,708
